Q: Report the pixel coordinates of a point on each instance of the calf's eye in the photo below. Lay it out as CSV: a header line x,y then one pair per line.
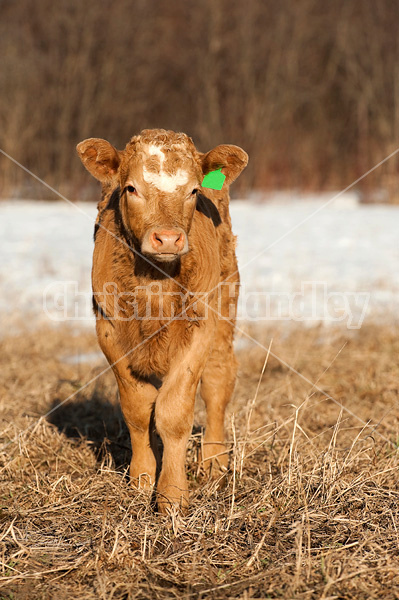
x,y
194,192
131,189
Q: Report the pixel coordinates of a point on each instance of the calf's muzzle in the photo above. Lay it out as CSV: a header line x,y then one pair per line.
x,y
165,244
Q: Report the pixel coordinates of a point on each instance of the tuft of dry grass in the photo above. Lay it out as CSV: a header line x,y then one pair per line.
x,y
310,505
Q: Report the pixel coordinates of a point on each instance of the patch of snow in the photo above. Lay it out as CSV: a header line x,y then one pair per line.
x,y
299,260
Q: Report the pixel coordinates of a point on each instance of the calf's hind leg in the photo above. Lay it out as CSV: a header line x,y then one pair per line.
x,y
217,386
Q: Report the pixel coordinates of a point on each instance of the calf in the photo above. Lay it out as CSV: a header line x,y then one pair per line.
x,y
165,289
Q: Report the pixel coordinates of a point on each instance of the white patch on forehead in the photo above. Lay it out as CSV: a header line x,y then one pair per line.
x,y
165,182
161,180
156,151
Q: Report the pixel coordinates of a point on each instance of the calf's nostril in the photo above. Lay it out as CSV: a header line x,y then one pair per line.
x,y
180,241
155,241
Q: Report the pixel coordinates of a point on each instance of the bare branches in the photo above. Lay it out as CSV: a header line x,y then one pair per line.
x,y
310,89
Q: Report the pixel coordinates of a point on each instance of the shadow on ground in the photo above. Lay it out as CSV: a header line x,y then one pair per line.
x,y
98,421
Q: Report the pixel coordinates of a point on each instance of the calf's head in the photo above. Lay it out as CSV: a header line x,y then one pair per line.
x,y
158,176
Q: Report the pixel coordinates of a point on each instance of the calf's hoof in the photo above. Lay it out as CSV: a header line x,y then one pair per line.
x,y
172,499
142,479
143,482
214,459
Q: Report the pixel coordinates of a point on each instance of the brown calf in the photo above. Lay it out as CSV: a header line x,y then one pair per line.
x,y
164,271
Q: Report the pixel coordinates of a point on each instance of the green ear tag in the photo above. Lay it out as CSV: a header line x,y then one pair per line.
x,y
214,180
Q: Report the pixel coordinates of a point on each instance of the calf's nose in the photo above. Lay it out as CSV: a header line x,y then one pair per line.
x,y
167,242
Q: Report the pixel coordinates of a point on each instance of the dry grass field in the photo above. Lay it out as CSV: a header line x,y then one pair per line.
x,y
310,505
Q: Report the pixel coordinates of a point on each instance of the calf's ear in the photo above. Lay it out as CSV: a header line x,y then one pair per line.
x,y
231,159
100,158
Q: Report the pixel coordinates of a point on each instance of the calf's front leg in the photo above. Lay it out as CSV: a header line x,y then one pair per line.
x,y
137,397
174,415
